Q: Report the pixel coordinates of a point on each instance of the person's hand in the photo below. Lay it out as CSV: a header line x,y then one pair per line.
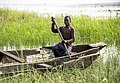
x,y
52,19
64,41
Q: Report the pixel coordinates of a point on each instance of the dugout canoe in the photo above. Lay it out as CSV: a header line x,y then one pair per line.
x,y
82,56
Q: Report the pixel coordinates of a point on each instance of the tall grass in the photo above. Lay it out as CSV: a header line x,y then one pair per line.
x,y
98,72
97,29
32,30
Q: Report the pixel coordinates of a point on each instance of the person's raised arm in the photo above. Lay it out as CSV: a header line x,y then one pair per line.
x,y
54,30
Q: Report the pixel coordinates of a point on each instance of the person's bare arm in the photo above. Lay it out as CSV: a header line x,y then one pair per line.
x,y
53,27
54,30
72,37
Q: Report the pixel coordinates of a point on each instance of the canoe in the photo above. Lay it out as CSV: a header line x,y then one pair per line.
x,y
82,56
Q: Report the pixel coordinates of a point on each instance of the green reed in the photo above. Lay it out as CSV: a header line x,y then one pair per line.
x,y
27,29
32,30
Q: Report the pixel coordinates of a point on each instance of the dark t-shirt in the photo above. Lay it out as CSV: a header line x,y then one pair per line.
x,y
67,33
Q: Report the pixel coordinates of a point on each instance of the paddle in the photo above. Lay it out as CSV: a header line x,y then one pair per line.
x,y
53,20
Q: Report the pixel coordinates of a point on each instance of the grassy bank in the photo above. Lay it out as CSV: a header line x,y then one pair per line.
x,y
31,30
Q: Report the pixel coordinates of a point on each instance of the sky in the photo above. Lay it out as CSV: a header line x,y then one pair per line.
x,y
57,1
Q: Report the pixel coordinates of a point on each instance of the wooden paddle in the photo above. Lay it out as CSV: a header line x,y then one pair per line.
x,y
53,20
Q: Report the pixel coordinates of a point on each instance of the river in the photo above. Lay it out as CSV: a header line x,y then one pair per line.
x,y
93,10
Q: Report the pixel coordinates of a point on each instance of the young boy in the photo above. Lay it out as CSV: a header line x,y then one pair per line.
x,y
67,33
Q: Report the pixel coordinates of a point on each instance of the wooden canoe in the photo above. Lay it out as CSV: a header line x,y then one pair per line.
x,y
82,56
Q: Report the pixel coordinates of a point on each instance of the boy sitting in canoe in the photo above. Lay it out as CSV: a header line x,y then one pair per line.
x,y
67,32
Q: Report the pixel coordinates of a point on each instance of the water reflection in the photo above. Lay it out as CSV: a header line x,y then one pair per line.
x,y
110,52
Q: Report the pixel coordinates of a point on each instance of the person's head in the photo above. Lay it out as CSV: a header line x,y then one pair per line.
x,y
67,20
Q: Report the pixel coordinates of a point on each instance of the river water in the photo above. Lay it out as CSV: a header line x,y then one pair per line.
x,y
93,10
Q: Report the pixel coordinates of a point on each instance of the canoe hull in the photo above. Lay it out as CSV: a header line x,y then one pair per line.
x,y
82,57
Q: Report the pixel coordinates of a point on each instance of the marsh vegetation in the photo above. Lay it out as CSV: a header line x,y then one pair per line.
x,y
22,29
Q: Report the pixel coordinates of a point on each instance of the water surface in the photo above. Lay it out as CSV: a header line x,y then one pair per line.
x,y
94,10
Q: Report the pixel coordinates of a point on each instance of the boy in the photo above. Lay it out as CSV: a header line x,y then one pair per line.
x,y
67,33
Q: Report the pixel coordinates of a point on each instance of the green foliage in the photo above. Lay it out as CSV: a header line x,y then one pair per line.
x,y
31,30
27,29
